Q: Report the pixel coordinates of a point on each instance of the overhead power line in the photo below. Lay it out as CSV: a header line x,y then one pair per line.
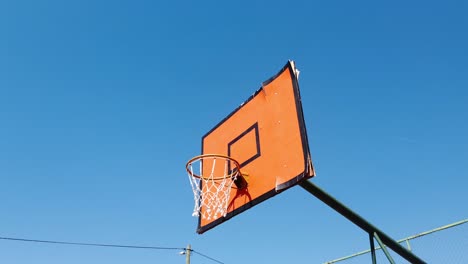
x,y
106,245
212,259
89,244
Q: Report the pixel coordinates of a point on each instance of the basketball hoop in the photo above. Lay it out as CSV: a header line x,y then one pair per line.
x,y
212,176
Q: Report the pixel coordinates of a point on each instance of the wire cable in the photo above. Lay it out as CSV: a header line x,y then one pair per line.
x,y
212,259
106,245
89,244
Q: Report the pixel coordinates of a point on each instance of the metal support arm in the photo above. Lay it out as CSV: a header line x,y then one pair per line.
x,y
359,221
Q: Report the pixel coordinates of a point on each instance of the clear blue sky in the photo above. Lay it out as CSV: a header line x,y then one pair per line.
x,y
103,102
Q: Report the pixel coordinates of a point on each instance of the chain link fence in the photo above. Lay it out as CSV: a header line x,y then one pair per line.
x,y
446,245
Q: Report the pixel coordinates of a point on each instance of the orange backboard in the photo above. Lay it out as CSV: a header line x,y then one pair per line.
x,y
268,137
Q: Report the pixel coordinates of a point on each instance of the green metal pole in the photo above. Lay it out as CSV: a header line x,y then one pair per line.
x,y
408,244
384,248
372,248
359,221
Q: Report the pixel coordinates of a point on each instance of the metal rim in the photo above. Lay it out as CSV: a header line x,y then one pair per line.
x,y
234,173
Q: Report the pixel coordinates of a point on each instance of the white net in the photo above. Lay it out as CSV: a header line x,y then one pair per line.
x,y
211,179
